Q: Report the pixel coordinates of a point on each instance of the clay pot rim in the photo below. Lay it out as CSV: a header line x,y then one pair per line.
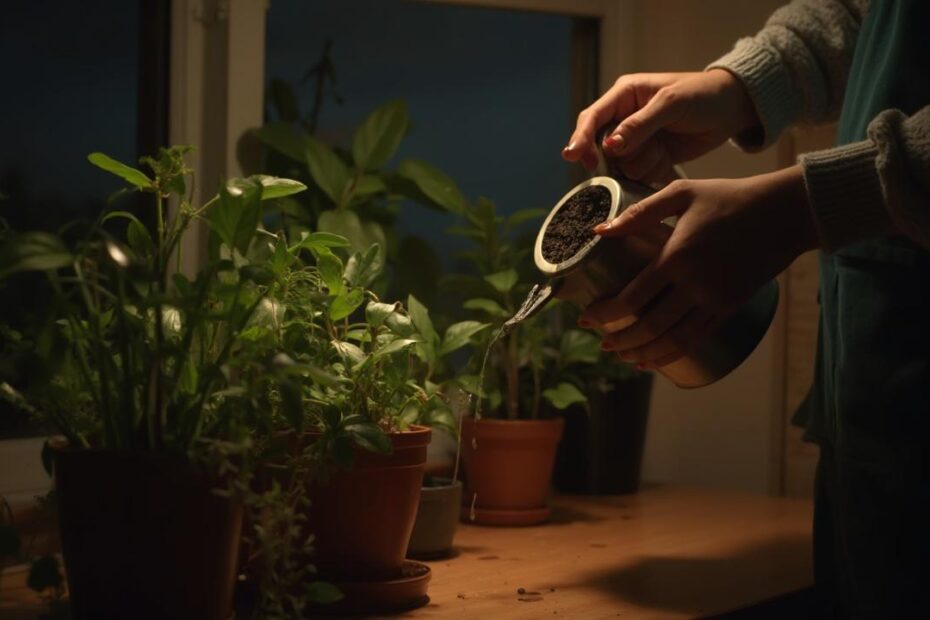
x,y
502,423
415,436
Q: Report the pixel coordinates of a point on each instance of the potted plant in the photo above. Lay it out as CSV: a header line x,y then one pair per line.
x,y
140,378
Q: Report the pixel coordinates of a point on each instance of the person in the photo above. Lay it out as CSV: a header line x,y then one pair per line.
x,y
864,203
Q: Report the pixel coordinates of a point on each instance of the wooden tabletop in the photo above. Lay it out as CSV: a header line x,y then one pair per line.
x,y
663,553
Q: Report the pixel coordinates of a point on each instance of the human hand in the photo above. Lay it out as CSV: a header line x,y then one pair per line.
x,y
665,119
732,236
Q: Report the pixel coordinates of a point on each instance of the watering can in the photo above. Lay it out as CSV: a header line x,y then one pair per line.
x,y
605,265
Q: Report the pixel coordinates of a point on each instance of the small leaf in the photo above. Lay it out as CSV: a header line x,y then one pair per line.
x,y
327,169
323,593
377,312
330,267
236,217
346,303
321,241
369,436
564,395
277,187
400,324
284,138
420,317
578,346
503,281
458,335
127,173
33,251
486,305
379,135
363,268
349,351
392,347
437,187
361,235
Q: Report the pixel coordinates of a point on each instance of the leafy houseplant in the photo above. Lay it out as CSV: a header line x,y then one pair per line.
x,y
140,377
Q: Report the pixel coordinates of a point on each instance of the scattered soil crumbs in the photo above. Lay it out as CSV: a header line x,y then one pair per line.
x,y
570,228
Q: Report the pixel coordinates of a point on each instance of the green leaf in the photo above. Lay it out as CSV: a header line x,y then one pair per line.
x,y
362,268
578,346
321,241
327,169
400,324
525,215
459,334
284,138
346,303
486,305
564,395
361,235
379,135
369,436
442,417
236,216
420,317
323,593
127,173
368,185
277,187
377,312
33,251
392,347
331,269
436,186
349,351
503,281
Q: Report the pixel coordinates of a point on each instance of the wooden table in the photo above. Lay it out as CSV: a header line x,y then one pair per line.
x,y
664,553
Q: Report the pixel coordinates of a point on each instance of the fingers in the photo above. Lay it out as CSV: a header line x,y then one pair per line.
x,y
664,109
656,320
618,312
673,199
618,102
684,338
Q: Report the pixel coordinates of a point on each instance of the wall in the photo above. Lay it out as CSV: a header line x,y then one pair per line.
x,y
728,434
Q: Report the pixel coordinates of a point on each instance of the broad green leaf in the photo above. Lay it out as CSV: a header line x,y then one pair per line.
x,y
321,241
436,186
236,217
400,324
459,334
469,383
377,312
361,235
368,185
346,303
392,347
369,436
578,346
330,267
127,173
349,351
323,593
564,395
284,138
503,281
379,135
486,305
420,317
277,187
33,251
361,270
525,215
327,169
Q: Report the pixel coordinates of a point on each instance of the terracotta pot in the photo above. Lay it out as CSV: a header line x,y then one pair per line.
x,y
437,518
144,536
508,464
362,517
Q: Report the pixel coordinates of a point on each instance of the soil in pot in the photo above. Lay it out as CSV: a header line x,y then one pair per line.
x,y
362,517
437,518
572,225
145,536
508,467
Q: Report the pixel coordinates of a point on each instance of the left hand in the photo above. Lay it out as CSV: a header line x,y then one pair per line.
x,y
732,236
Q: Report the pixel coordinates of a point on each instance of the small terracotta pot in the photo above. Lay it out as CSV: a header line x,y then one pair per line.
x,y
144,536
437,518
508,464
362,517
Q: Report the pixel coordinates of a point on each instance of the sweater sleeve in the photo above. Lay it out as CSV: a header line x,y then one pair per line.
x,y
874,187
796,67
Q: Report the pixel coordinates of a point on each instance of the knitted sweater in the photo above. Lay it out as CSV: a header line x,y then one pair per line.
x,y
795,70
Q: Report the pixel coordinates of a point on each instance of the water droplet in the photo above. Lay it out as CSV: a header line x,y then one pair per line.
x,y
471,511
474,443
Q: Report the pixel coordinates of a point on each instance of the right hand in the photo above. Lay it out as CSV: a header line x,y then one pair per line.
x,y
664,119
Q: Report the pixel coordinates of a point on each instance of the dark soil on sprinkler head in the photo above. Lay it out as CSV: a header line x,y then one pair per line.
x,y
571,227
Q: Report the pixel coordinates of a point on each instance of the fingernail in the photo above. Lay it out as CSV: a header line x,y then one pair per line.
x,y
569,147
602,227
583,323
614,142
606,346
641,366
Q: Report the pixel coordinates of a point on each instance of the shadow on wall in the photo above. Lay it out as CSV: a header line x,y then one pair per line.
x,y
686,584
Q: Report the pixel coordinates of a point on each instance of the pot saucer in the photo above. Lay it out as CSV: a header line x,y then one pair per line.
x,y
405,592
488,516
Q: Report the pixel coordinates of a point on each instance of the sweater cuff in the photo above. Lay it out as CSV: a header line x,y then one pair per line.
x,y
769,85
845,193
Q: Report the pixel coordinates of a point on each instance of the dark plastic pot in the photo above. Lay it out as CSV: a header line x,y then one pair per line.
x,y
144,536
601,452
508,469
437,519
362,517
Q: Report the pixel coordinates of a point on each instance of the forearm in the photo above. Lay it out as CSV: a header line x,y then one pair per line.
x,y
796,67
875,187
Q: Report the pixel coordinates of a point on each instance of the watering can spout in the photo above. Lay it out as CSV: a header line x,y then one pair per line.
x,y
537,299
